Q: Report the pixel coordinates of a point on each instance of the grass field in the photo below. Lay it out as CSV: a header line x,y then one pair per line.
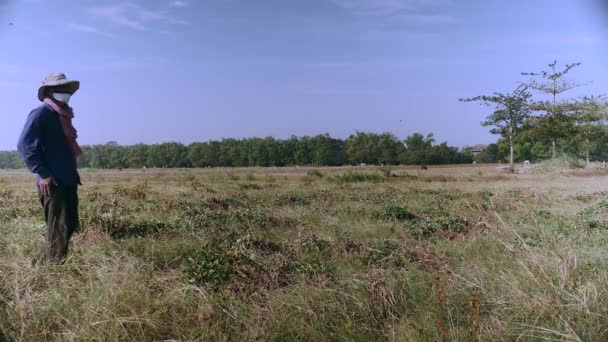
x,y
456,253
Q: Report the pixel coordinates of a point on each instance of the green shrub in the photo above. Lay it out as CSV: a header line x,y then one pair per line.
x,y
251,186
297,198
315,173
195,218
594,217
377,251
393,213
9,214
233,177
137,192
255,218
387,254
189,178
121,229
387,171
563,161
215,264
531,238
251,176
352,177
314,258
313,263
430,226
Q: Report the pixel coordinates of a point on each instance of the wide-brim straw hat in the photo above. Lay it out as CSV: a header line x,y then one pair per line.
x,y
57,80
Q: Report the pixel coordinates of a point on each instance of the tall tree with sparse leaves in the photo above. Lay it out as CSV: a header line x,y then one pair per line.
x,y
590,118
511,111
555,121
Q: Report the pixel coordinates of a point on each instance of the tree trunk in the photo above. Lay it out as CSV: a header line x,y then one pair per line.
x,y
553,114
587,152
511,167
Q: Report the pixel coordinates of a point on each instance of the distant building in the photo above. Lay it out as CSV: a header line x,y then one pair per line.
x,y
477,149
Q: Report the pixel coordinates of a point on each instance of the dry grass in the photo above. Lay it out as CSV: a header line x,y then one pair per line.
x,y
455,253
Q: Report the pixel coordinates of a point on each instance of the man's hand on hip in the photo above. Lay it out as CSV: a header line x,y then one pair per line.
x,y
45,185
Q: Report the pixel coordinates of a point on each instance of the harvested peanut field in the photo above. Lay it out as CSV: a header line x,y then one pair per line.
x,y
365,254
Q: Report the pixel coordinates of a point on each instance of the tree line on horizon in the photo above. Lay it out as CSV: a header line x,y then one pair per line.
x,y
319,150
534,122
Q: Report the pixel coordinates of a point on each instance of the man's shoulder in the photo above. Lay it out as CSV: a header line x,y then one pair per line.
x,y
41,112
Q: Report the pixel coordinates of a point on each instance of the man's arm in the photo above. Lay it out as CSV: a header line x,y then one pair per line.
x,y
30,147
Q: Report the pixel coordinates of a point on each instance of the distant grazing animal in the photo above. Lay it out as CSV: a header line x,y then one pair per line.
x,y
423,167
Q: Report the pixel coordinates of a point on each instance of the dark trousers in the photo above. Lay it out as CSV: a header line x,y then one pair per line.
x,y
61,216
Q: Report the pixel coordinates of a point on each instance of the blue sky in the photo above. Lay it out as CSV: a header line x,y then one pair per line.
x,y
193,70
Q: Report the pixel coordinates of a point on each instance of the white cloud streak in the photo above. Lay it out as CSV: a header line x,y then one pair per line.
x,y
87,29
120,14
420,12
133,16
178,3
389,7
427,19
570,39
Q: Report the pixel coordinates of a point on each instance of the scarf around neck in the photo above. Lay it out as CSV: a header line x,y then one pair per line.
x,y
65,117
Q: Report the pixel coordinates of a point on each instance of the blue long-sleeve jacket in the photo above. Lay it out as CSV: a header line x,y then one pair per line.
x,y
44,148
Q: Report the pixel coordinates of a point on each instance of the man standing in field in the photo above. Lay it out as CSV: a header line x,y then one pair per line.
x,y
48,147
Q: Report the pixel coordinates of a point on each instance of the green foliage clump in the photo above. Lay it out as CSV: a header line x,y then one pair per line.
x,y
393,213
9,214
296,198
251,186
254,218
142,228
137,192
387,171
599,208
352,177
594,217
387,254
233,177
377,251
563,161
532,239
429,226
216,263
314,256
315,173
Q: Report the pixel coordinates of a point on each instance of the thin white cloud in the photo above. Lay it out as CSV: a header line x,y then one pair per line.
x,y
400,12
570,39
427,19
178,3
134,16
121,14
397,19
384,35
174,21
389,7
391,64
87,29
